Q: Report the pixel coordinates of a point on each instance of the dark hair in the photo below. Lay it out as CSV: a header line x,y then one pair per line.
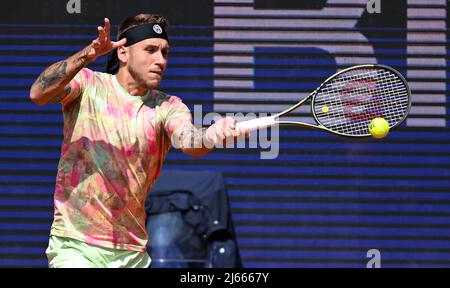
x,y
140,19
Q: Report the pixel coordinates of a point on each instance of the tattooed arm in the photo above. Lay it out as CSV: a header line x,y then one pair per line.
x,y
54,84
197,142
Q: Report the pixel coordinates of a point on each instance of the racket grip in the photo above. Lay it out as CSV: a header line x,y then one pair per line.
x,y
257,123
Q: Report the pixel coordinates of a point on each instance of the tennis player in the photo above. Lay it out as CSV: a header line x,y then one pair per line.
x,y
118,129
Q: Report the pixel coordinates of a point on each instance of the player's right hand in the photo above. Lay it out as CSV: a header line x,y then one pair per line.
x,y
224,132
103,44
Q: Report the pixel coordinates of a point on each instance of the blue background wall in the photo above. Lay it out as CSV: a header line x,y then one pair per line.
x,y
325,200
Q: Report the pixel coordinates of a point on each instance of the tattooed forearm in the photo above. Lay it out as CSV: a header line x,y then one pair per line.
x,y
51,75
54,82
190,137
83,57
58,98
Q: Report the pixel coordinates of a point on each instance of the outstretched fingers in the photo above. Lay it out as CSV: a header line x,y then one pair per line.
x,y
96,43
119,43
101,34
107,29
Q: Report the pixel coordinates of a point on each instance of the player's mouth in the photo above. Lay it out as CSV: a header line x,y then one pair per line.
x,y
157,72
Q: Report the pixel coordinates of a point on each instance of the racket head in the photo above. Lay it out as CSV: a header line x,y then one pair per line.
x,y
347,101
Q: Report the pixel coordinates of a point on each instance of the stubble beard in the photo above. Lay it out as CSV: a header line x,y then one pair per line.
x,y
141,81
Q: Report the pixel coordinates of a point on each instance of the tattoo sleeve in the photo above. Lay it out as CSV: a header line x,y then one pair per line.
x,y
58,98
53,84
51,75
189,137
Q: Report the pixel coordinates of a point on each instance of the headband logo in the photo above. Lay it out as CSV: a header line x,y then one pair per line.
x,y
157,29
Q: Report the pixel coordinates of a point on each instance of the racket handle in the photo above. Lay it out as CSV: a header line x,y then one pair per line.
x,y
257,123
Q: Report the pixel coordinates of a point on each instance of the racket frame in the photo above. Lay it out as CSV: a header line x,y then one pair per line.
x,y
271,120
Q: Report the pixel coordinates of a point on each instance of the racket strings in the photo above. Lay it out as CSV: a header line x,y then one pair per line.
x,y
347,103
353,112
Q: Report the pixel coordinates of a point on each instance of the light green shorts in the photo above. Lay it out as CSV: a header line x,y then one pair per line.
x,y
63,252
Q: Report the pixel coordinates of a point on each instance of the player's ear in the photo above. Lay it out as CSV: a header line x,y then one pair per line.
x,y
122,54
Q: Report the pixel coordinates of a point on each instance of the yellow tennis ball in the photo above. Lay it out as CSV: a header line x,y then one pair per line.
x,y
379,127
325,109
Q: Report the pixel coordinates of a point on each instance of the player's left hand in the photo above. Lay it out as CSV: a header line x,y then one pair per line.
x,y
103,44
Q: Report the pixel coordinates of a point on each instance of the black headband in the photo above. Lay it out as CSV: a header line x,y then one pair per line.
x,y
142,32
134,35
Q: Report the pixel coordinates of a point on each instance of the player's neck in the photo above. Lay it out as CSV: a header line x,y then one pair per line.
x,y
129,84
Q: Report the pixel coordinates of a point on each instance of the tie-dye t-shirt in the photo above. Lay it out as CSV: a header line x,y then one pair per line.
x,y
113,149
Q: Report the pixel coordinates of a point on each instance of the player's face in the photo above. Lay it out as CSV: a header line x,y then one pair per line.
x,y
147,61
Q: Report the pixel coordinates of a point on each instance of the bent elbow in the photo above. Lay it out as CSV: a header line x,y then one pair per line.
x,y
195,153
36,97
194,156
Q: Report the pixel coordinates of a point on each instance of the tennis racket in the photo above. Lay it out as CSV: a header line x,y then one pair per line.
x,y
345,103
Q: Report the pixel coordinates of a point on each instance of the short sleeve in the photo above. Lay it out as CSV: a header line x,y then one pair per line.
x,y
78,85
176,111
